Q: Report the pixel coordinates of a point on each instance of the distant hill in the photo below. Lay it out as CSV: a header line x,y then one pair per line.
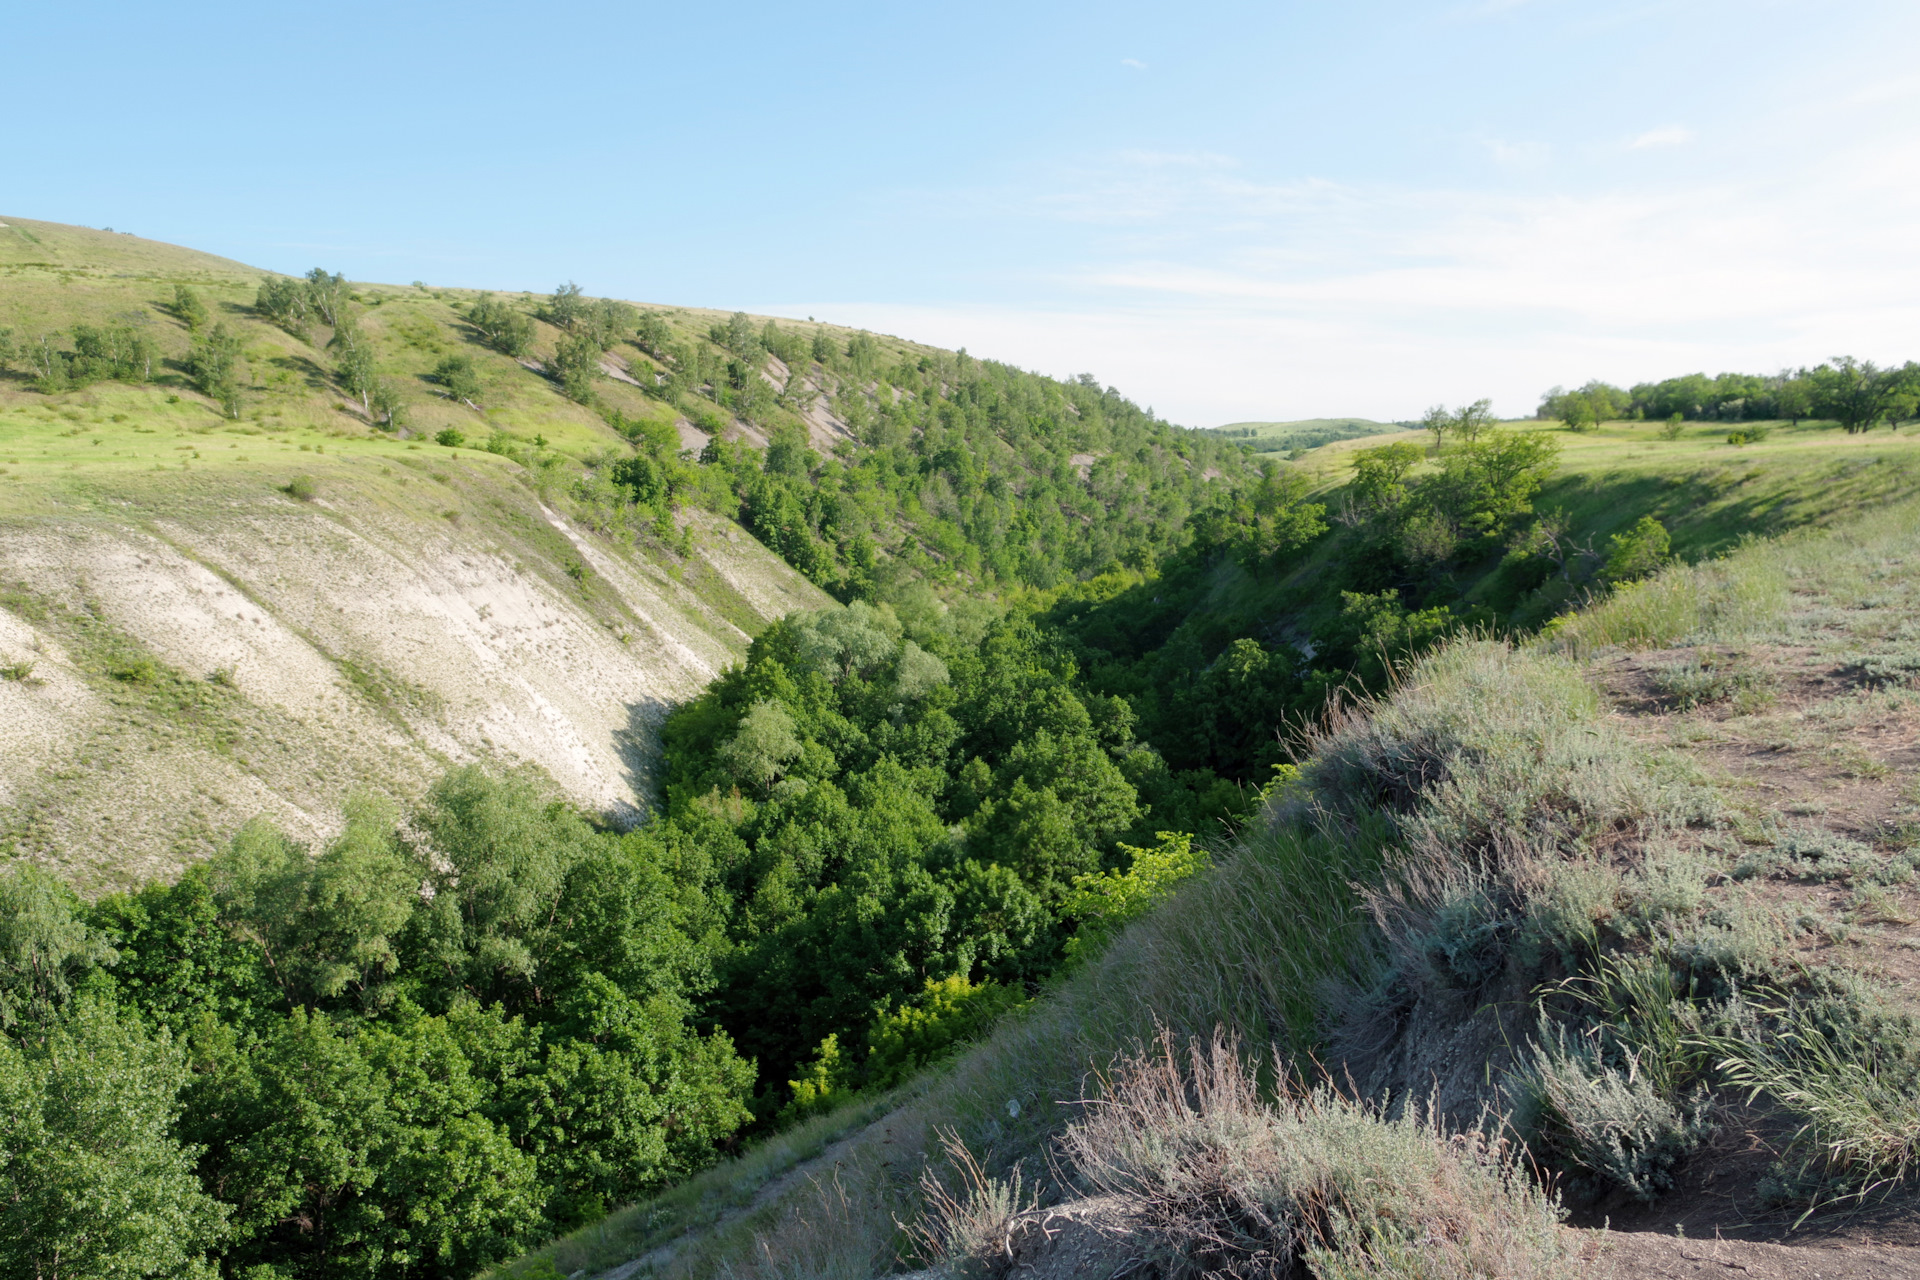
x,y
1305,433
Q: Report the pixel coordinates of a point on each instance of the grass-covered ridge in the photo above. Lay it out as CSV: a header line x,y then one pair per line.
x,y
861,459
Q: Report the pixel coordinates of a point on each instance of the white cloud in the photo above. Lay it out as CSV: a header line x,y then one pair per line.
x,y
1216,297
1135,63
1885,91
1517,153
1670,135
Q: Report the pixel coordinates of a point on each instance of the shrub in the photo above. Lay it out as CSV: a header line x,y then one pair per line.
x,y
1810,853
452,437
135,671
1706,678
974,1219
1895,668
1227,1183
19,672
1636,553
301,488
1609,1122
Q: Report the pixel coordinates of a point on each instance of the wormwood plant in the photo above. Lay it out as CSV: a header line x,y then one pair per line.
x,y
968,1220
1231,1179
1707,678
1612,1121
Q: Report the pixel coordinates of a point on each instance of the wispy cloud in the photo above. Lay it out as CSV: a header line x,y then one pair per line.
x,y
1504,152
1217,296
1667,135
1135,63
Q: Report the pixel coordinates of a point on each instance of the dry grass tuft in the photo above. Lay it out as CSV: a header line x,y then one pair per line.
x,y
1230,1183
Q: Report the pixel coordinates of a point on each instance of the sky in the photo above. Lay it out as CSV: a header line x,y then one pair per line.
x,y
1230,211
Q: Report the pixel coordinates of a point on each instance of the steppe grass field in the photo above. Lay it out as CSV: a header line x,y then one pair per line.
x,y
1709,494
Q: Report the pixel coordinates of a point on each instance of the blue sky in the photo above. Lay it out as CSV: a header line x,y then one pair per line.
x,y
1228,210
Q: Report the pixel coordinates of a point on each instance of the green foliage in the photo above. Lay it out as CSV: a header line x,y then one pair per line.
x,y
122,352
1379,474
286,302
887,806
566,306
326,925
500,326
93,1179
457,374
950,1013
46,950
1588,407
326,295
386,405
969,470
213,364
1377,634
378,1142
762,747
1859,395
652,334
576,366
1637,552
189,309
354,365
404,1057
1855,394
737,336
609,321
1104,904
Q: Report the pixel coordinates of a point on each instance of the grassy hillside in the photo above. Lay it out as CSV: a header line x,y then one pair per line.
x,y
1626,886
485,575
199,638
1304,433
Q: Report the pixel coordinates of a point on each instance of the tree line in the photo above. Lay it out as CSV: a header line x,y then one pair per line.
x,y
1857,395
